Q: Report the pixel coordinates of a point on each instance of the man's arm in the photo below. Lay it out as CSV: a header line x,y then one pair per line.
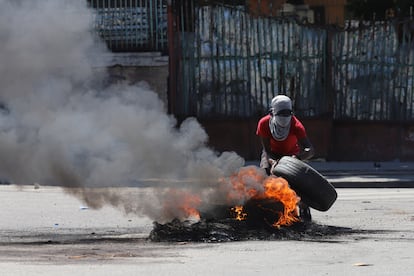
x,y
266,147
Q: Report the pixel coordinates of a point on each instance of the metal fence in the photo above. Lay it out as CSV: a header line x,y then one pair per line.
x,y
373,71
232,63
131,25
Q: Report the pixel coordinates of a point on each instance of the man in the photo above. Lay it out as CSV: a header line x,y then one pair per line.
x,y
282,134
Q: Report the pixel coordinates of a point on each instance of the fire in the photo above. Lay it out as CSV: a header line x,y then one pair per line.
x,y
251,183
246,184
278,188
181,204
238,210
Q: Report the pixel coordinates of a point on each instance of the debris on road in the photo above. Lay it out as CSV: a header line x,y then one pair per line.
x,y
225,230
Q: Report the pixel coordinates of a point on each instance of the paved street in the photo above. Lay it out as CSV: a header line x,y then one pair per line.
x,y
391,174
47,232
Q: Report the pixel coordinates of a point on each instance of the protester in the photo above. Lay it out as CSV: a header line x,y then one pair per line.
x,y
282,134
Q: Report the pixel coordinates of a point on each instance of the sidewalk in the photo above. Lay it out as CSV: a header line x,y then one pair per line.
x,y
354,174
367,174
364,174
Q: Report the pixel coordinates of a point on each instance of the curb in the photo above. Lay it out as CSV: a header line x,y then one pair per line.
x,y
379,184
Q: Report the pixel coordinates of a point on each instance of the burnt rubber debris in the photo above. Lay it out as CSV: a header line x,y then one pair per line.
x,y
226,230
218,224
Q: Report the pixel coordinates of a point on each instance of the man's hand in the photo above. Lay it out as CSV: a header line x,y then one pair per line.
x,y
272,163
307,151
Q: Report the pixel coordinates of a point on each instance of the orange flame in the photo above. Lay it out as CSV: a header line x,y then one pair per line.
x,y
246,184
181,204
238,210
278,188
251,182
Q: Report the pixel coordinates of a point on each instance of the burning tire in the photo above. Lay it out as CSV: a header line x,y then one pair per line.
x,y
310,185
263,213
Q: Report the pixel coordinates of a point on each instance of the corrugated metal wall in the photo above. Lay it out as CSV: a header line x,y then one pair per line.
x,y
232,63
373,71
131,25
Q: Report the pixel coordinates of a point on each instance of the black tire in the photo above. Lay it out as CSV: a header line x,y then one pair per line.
x,y
310,185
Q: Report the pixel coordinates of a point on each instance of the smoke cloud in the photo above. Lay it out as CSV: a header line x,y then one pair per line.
x,y
60,126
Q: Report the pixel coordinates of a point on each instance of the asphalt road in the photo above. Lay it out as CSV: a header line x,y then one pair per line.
x,y
47,232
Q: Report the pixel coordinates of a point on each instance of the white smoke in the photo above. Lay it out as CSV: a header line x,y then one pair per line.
x,y
58,127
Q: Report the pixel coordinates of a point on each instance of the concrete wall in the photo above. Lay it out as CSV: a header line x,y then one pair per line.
x,y
155,76
132,68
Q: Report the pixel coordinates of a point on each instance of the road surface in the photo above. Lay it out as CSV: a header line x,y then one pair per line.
x,y
48,232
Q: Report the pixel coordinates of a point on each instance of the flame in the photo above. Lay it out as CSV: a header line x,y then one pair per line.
x,y
251,182
191,212
246,184
278,188
181,204
238,211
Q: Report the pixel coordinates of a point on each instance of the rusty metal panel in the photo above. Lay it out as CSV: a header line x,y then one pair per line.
x,y
260,8
230,64
233,64
373,73
365,141
335,15
240,136
334,10
333,140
